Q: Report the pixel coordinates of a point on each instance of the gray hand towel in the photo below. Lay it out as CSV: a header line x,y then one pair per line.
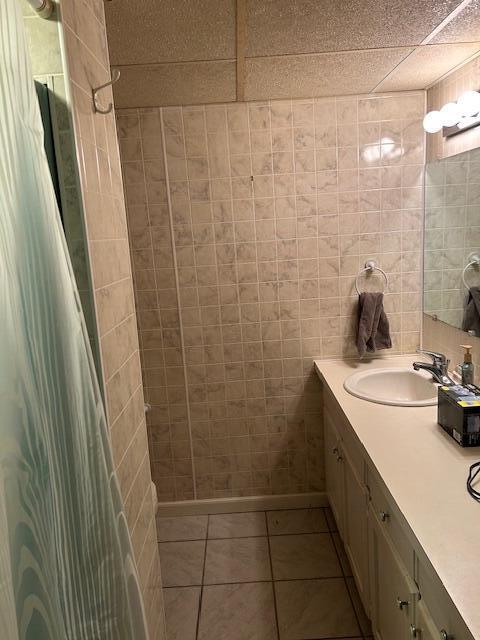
x,y
471,312
373,328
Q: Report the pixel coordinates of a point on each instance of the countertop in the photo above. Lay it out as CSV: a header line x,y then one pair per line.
x,y
425,472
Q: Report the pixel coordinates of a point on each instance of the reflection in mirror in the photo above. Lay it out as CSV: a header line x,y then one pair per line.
x,y
52,85
452,241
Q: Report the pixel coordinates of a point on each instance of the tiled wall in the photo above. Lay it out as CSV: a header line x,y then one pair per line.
x,y
275,208
452,233
44,45
102,190
436,335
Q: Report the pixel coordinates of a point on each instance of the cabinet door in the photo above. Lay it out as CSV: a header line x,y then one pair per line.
x,y
392,591
356,528
425,628
334,471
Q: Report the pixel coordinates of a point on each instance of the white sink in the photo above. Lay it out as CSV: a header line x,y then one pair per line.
x,y
399,387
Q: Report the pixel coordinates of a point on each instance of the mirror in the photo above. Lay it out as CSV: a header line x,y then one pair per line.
x,y
452,241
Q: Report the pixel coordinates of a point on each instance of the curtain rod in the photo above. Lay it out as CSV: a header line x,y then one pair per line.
x,y
44,8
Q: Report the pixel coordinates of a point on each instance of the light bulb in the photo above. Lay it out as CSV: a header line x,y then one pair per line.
x,y
450,114
469,103
433,122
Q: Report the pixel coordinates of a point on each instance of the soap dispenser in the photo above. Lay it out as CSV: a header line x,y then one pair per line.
x,y
467,367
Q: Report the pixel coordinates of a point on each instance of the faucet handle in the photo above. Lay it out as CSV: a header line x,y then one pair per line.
x,y
438,358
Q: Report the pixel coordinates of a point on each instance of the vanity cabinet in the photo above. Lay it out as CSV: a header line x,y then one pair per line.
x,y
399,589
349,500
425,628
334,470
394,593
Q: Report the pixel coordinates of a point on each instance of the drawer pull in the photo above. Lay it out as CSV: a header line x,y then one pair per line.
x,y
335,451
413,631
402,604
339,458
384,516
445,636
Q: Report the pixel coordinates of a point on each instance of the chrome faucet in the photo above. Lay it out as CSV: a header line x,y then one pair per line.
x,y
438,368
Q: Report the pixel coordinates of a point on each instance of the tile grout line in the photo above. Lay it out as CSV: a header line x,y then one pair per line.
x,y
177,287
277,625
345,579
200,600
273,535
226,584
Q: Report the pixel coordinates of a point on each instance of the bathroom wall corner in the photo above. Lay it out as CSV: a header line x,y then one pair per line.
x,y
87,57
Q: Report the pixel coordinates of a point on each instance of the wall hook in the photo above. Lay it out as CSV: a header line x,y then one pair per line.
x,y
97,108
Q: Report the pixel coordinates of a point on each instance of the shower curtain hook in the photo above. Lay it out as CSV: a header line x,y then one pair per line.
x,y
96,106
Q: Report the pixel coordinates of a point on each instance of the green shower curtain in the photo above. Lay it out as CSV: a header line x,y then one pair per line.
x,y
66,565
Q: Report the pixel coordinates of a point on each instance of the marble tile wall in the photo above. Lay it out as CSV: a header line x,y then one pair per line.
x,y
102,192
275,208
43,39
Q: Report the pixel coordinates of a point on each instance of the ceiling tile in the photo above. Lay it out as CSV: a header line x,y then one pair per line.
x,y
324,74
426,65
175,84
149,31
277,27
464,28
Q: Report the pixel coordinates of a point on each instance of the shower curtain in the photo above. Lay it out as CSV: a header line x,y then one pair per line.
x,y
66,565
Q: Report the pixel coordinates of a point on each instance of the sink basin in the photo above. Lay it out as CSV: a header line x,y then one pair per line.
x,y
399,387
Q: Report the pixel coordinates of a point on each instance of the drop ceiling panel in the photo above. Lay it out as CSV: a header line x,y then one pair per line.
x,y
320,75
175,84
148,31
463,28
426,65
277,27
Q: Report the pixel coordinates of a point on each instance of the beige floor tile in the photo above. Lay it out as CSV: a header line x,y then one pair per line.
x,y
362,617
315,609
182,563
237,525
304,556
182,528
296,521
344,561
238,612
181,612
237,560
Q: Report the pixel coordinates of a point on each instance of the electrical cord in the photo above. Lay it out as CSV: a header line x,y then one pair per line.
x,y
473,472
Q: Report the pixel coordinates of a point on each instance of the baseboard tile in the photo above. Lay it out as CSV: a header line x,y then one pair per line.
x,y
250,503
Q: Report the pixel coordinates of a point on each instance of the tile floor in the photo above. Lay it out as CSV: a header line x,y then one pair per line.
x,y
275,575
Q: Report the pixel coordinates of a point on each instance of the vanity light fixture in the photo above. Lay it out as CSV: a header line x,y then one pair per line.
x,y
455,117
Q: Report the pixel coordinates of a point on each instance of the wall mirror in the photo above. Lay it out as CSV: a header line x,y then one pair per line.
x,y
452,241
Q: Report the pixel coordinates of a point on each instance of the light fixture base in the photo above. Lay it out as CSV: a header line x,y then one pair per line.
x,y
473,121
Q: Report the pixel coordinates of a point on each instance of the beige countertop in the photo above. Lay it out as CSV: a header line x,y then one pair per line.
x,y
425,472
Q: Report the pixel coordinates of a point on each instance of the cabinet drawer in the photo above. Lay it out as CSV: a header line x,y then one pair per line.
x,y
445,618
394,593
388,515
424,627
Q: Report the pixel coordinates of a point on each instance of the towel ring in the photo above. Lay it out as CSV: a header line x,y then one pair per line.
x,y
370,267
473,261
